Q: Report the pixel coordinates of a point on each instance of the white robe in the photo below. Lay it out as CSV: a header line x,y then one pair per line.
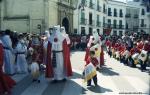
x,y
59,71
8,56
21,62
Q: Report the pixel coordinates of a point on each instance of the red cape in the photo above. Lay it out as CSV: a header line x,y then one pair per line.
x,y
67,64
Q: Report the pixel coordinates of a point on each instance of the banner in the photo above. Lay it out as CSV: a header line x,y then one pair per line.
x,y
143,55
89,72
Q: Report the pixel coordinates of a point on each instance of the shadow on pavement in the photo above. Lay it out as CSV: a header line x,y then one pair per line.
x,y
64,88
108,71
98,89
76,75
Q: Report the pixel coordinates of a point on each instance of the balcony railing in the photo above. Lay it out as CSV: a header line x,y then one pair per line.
x,y
128,15
109,13
91,22
98,24
136,16
105,25
91,5
121,14
115,14
83,21
121,26
114,26
135,27
143,25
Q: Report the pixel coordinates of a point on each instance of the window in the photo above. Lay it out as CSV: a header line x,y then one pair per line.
x,y
98,31
142,22
109,12
115,23
109,23
121,14
120,24
126,25
143,12
83,20
104,21
98,6
98,18
120,33
104,9
90,18
115,12
98,21
82,14
91,5
83,30
114,32
90,31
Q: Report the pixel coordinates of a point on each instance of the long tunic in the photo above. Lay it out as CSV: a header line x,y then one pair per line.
x,y
8,56
6,83
59,68
21,62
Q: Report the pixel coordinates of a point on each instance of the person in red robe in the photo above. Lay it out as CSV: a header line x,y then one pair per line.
x,y
6,83
58,50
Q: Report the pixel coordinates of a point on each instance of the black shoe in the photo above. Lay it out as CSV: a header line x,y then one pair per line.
x,y
54,81
39,81
34,80
96,84
64,80
88,84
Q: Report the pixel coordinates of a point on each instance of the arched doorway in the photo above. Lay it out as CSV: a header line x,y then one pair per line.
x,y
65,23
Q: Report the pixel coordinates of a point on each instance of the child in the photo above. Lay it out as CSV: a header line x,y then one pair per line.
x,y
92,59
35,71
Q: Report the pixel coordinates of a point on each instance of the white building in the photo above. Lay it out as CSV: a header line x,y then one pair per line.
x,y
100,15
140,21
90,15
116,17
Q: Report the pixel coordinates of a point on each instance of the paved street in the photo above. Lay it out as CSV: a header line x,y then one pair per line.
x,y
113,78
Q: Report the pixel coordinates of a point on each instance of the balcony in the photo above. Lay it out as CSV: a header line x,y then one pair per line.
x,y
99,8
105,11
98,24
105,25
110,26
91,22
121,26
115,26
128,15
91,5
143,25
121,14
83,21
135,27
136,16
109,13
115,14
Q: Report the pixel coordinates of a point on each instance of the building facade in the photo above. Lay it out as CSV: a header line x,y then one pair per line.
x,y
116,17
36,15
138,16
120,17
90,15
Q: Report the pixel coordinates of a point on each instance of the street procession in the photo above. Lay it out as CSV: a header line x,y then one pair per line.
x,y
61,55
